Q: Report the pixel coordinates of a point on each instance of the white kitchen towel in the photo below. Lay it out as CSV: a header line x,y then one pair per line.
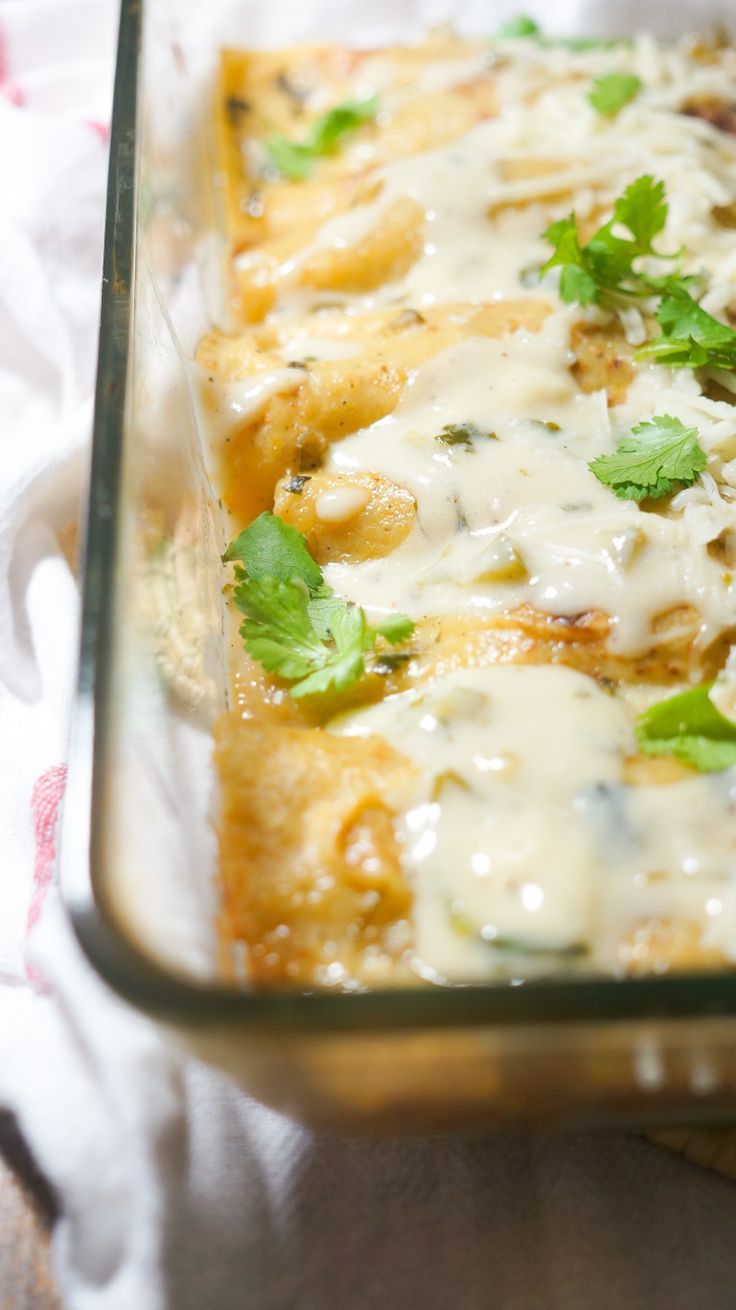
x,y
175,1191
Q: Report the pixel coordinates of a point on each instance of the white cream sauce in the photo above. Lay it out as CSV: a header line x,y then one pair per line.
x,y
307,347
225,406
522,841
582,547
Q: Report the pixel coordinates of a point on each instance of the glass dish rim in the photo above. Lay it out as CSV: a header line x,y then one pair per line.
x,y
117,959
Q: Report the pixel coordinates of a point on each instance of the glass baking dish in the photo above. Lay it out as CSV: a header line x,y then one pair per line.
x,y
138,850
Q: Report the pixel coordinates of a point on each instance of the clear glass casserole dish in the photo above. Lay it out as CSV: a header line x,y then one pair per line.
x,y
138,849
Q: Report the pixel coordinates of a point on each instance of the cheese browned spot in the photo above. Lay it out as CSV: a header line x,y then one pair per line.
x,y
714,111
603,360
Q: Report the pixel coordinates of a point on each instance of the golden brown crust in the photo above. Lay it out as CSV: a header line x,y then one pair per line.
x,y
309,861
377,516
384,254
527,636
523,635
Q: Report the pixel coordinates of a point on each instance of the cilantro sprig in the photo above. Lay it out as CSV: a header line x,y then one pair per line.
x,y
520,26
657,458
611,92
603,272
689,727
296,159
294,624
604,267
270,548
690,337
523,27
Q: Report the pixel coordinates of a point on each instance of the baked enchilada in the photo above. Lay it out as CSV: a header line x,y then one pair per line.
x,y
475,434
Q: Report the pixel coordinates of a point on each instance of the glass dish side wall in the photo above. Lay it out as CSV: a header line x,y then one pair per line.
x,y
138,850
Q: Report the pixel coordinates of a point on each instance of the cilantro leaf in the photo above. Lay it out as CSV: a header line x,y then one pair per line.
x,y
296,159
577,282
394,628
523,26
343,663
654,460
278,630
603,269
610,93
520,26
689,727
294,624
642,208
324,608
293,159
579,44
605,266
327,130
271,548
690,337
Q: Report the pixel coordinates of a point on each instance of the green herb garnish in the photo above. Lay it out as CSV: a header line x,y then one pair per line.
x,y
525,27
270,548
294,623
605,266
579,44
462,434
610,93
690,337
520,26
603,270
296,159
689,727
654,460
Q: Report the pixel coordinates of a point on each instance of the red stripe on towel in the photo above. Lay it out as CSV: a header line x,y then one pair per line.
x,y
46,800
101,129
9,88
13,92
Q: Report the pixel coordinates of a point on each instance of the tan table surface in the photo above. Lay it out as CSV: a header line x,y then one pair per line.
x,y
26,1209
